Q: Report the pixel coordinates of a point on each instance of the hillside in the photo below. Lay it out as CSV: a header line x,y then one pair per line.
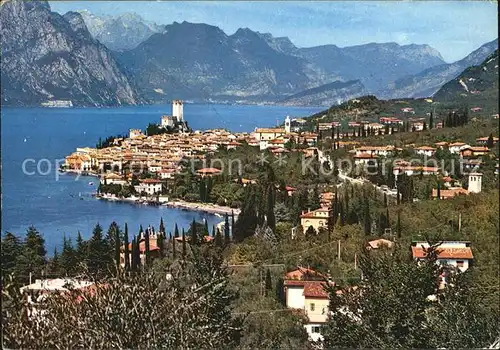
x,y
428,81
46,56
327,95
476,86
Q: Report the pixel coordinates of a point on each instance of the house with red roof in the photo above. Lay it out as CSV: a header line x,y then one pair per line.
x,y
305,290
449,253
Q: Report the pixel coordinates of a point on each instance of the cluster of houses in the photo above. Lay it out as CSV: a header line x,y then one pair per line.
x,y
304,289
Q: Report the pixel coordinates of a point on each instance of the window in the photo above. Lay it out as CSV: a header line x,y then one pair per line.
x,y
312,306
460,263
315,329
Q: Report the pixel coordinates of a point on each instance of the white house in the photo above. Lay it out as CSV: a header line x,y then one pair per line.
x,y
167,121
113,178
475,182
456,147
150,186
135,133
452,253
305,290
425,151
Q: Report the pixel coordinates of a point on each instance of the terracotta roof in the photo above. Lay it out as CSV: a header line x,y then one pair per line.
x,y
365,156
208,171
425,148
445,253
302,272
270,130
377,243
449,193
151,181
315,289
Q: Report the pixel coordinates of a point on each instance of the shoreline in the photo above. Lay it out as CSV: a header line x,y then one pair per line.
x,y
180,204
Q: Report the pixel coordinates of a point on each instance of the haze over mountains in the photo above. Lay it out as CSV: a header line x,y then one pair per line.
x,y
200,62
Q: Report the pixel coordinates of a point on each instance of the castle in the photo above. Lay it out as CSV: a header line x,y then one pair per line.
x,y
177,116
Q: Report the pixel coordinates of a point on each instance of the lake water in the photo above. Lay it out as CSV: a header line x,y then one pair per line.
x,y
52,205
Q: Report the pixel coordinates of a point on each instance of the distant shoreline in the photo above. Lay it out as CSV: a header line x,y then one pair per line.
x,y
179,204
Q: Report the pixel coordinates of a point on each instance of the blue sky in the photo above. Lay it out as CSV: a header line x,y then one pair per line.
x,y
455,28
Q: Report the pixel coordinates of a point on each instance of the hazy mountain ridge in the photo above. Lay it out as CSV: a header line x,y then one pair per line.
x,y
201,61
47,56
123,32
326,95
477,86
427,82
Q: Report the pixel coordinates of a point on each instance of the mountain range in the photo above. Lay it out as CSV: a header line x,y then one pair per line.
x,y
47,56
476,86
427,82
124,59
123,32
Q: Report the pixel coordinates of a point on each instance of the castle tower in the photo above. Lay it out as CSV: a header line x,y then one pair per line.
x,y
288,125
475,182
178,110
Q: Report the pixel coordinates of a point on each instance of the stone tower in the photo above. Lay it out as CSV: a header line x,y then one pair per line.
x,y
178,110
288,124
475,182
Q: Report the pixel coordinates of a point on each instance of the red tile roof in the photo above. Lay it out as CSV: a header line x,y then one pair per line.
x,y
315,289
445,253
302,272
208,171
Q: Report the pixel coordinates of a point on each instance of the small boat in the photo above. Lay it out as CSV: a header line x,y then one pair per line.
x,y
25,140
91,183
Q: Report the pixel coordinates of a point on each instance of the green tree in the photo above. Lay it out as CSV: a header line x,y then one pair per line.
x,y
11,250
68,259
98,255
33,255
126,251
269,282
271,220
490,143
390,307
162,226
227,237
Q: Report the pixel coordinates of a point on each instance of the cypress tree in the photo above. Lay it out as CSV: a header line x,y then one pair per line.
x,y
160,243
398,200
387,217
214,231
194,234
490,143
133,256
117,250
232,221
431,121
206,233
162,226
425,126
227,237
80,248
218,239
176,231
126,249
184,248
174,249
385,199
54,263
146,249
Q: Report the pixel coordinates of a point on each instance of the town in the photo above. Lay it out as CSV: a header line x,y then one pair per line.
x,y
366,184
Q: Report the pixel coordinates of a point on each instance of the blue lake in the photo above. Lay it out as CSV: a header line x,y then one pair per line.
x,y
50,202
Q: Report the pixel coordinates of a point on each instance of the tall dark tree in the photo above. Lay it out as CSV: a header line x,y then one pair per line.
x,y
11,250
176,231
33,255
490,143
81,250
160,243
117,251
431,121
162,226
219,242
133,262
98,257
174,248
227,237
147,253
126,251
68,258
184,247
194,233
